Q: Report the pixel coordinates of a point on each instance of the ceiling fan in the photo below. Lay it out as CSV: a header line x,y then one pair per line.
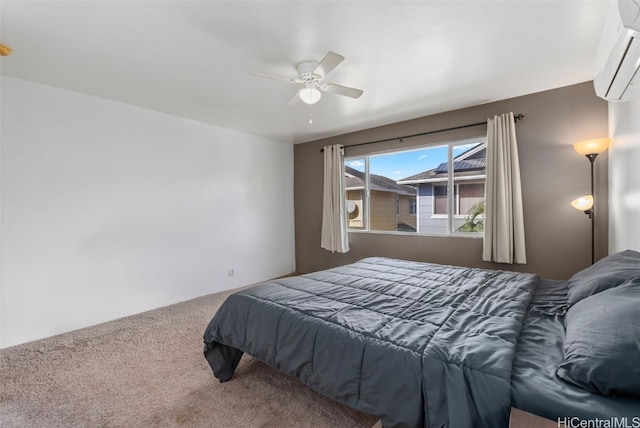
x,y
311,74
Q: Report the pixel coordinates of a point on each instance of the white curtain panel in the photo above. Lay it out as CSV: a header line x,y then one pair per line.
x,y
334,220
504,220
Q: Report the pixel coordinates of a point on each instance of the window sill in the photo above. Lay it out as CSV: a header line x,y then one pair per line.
x,y
431,235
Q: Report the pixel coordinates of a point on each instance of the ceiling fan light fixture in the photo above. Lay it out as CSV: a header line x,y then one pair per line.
x,y
310,95
311,75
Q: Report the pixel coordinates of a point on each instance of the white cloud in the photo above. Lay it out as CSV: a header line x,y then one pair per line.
x,y
398,172
356,163
422,157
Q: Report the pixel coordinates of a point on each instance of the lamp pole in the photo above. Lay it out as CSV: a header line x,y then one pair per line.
x,y
591,149
592,157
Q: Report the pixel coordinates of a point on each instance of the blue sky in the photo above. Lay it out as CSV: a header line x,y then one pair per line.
x,y
404,164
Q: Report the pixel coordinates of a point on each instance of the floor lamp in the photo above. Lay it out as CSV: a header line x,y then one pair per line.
x,y
591,149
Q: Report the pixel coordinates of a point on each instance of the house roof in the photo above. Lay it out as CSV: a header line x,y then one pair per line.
x,y
463,165
467,163
355,180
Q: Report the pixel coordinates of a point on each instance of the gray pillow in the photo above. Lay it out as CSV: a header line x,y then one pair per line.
x,y
602,342
606,273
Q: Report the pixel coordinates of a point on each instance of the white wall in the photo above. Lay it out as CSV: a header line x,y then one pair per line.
x,y
624,175
110,209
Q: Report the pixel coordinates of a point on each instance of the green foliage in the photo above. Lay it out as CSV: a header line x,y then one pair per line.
x,y
474,221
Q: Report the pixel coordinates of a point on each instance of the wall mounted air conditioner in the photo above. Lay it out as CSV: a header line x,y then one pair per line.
x,y
619,53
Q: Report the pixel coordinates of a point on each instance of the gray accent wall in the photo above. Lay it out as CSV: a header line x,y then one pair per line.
x,y
558,238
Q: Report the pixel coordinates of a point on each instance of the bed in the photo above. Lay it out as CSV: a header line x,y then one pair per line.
x,y
416,344
578,354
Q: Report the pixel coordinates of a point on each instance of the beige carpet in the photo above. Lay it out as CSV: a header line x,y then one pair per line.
x,y
148,371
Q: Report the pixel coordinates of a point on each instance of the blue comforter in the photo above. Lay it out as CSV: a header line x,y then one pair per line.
x,y
416,344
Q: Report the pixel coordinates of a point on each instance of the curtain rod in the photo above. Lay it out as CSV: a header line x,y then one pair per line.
x,y
516,118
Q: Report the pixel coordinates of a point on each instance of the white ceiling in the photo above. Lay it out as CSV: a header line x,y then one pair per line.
x,y
411,58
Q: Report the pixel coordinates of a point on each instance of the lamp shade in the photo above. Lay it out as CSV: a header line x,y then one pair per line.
x,y
309,95
592,147
5,50
583,203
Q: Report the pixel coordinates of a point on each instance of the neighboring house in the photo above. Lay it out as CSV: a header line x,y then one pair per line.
x,y
469,177
392,205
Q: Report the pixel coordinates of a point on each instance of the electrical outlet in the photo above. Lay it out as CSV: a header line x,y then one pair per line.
x,y
231,272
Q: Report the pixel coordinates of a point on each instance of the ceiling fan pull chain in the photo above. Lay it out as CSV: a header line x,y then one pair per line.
x,y
310,115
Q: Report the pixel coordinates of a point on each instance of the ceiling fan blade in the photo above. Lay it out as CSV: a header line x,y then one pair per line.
x,y
342,90
328,63
295,99
275,76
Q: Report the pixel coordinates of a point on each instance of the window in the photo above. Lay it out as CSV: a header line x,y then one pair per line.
x,y
440,199
430,190
412,205
465,196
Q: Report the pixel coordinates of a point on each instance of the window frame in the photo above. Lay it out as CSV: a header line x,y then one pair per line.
x,y
450,180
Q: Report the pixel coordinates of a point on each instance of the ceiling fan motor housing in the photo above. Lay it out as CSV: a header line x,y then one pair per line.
x,y
306,71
